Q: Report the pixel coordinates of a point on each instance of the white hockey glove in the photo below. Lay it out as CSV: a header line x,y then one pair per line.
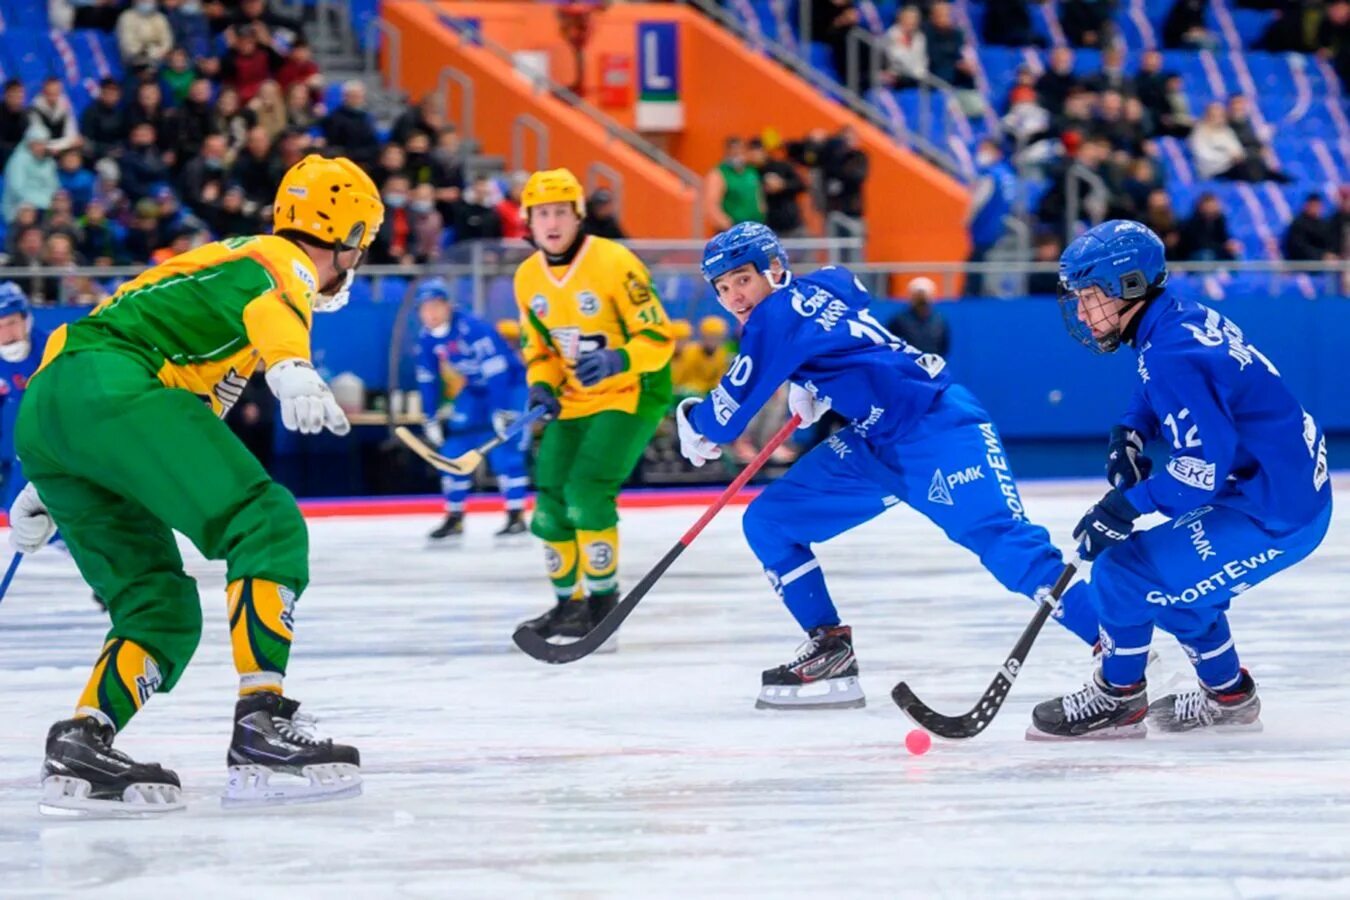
x,y
806,404
693,446
502,420
30,526
307,405
434,432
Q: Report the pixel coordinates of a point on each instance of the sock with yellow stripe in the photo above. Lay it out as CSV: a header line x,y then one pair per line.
x,y
600,560
123,679
261,627
560,559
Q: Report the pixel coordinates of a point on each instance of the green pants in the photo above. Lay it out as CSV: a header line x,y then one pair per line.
x,y
580,465
120,460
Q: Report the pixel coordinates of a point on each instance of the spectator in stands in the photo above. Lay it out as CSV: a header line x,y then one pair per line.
x,y
508,211
100,14
1046,253
1087,23
831,21
1177,119
233,120
142,164
30,175
349,129
251,60
270,109
700,364
1310,237
1218,152
108,188
732,192
906,50
919,324
143,35
14,118
1340,221
195,118
947,57
844,170
177,76
393,161
149,107
447,172
1111,124
602,218
54,113
1184,27
1112,76
143,231
1054,209
476,212
75,179
301,69
1056,82
58,256
256,14
104,122
1026,121
1151,87
254,170
418,164
427,224
190,29
302,112
60,216
1333,37
1007,23
1077,114
425,117
1204,236
1255,167
994,195
232,216
27,254
1141,180
782,187
1160,216
98,241
204,176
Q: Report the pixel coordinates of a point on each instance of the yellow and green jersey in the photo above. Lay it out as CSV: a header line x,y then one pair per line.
x,y
603,300
205,319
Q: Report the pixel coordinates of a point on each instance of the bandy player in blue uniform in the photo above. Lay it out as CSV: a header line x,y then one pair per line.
x,y
20,353
456,346
1245,487
914,437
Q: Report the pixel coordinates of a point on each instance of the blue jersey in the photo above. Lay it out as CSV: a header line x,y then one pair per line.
x,y
1238,437
817,332
13,380
493,373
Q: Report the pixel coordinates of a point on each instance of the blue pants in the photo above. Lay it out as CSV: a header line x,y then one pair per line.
x,y
507,462
951,468
12,473
1181,576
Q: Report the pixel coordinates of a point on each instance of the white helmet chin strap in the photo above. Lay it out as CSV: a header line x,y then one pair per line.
x,y
16,351
326,303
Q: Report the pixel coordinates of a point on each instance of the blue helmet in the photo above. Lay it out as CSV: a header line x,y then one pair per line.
x,y
12,299
433,289
1125,259
748,242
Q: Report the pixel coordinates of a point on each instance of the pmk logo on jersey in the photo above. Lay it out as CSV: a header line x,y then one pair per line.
x,y
587,303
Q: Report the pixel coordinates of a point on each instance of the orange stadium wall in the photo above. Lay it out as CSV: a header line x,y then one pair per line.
x,y
914,210
656,203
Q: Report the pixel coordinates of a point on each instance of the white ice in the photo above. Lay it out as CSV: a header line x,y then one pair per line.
x,y
649,772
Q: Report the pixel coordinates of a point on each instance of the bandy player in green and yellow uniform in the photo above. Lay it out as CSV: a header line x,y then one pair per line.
x,y
597,348
121,435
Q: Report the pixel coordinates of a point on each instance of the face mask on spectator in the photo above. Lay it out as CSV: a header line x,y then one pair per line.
x,y
145,9
421,206
395,201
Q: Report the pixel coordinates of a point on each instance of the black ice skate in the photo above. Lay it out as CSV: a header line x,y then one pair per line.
x,y
1236,709
271,737
823,676
515,525
452,527
1096,712
567,619
84,776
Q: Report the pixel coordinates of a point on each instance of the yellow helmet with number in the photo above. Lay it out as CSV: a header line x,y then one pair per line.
x,y
553,186
331,200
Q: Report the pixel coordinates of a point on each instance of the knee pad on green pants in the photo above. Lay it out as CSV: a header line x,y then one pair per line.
x,y
163,614
550,521
592,505
266,537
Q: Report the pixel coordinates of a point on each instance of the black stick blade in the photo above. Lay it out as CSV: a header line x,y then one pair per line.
x,y
954,728
539,648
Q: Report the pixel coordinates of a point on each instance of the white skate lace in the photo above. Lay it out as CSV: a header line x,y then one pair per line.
x,y
805,651
298,728
1193,705
1089,701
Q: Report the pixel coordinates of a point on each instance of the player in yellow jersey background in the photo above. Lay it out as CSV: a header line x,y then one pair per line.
x,y
597,348
121,437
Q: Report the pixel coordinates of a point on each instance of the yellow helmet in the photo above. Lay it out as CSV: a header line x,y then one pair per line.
x,y
332,200
509,329
713,326
681,330
553,186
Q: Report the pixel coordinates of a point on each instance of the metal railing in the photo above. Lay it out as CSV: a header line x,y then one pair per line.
x,y
614,131
448,75
521,125
394,80
1074,205
840,92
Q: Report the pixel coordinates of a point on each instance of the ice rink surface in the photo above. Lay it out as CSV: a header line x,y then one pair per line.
x,y
649,773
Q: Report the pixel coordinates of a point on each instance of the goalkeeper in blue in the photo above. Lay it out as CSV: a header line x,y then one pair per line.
x,y
1245,487
913,437
463,358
